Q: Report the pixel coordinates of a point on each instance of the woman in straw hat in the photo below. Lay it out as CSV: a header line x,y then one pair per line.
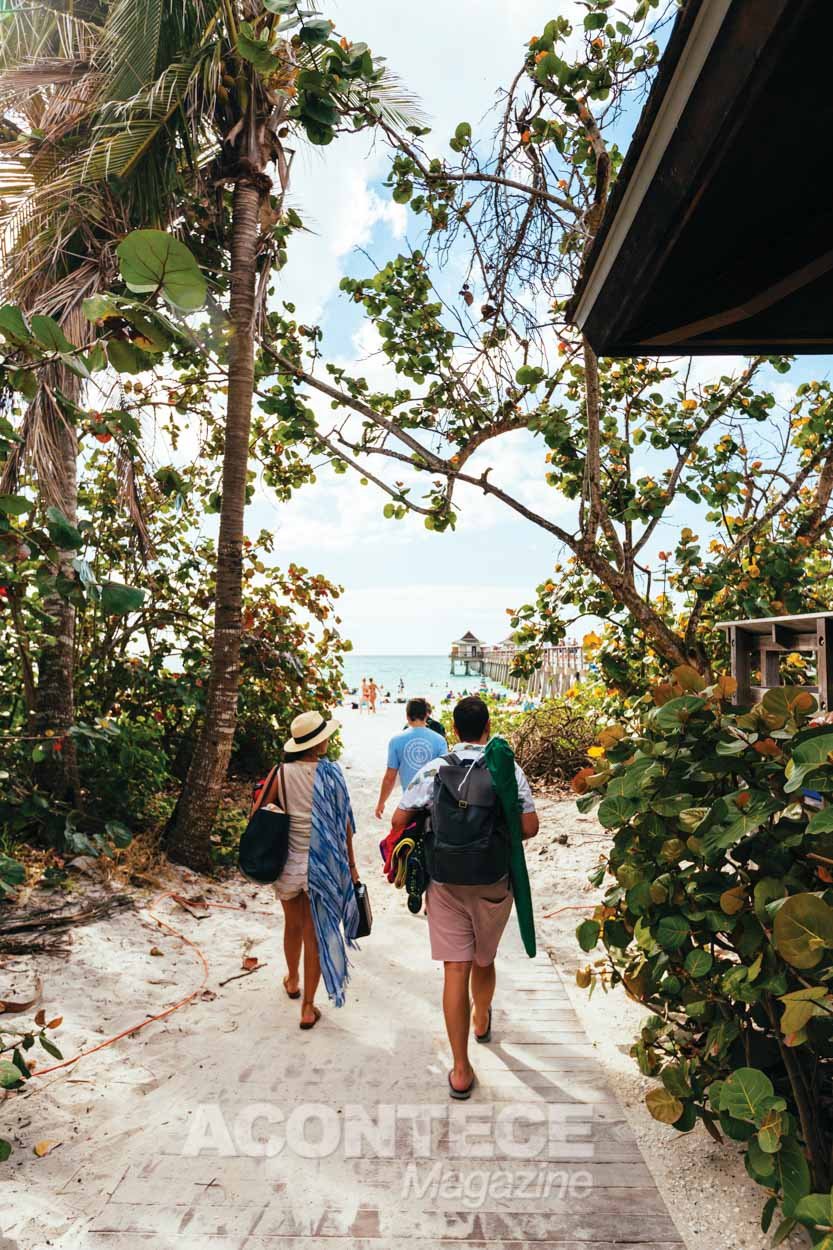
x,y
316,887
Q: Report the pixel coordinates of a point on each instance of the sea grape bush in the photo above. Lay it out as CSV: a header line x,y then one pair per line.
x,y
718,917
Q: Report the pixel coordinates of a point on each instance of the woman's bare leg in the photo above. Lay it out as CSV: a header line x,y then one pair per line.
x,y
293,937
312,965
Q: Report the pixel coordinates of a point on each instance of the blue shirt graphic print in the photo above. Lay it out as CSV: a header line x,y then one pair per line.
x,y
409,751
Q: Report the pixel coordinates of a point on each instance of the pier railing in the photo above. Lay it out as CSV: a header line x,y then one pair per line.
x,y
561,668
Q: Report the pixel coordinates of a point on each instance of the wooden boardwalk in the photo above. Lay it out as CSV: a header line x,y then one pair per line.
x,y
541,1155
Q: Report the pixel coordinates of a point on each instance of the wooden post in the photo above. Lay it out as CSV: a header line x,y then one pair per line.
x,y
740,643
771,675
824,664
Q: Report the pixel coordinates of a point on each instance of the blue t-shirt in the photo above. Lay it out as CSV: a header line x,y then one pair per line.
x,y
409,751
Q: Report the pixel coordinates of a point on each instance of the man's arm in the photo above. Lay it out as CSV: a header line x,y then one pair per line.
x,y
530,825
386,789
402,817
416,797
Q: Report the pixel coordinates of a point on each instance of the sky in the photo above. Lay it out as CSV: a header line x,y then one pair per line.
x,y
406,590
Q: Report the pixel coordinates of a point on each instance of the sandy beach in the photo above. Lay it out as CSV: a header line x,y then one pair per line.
x,y
119,1174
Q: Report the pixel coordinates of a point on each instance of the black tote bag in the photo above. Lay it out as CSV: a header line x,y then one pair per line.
x,y
365,912
264,846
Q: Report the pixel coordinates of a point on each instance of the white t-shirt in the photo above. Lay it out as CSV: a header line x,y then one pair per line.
x,y
421,790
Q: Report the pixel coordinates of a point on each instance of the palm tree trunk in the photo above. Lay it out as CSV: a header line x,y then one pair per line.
x,y
190,839
54,710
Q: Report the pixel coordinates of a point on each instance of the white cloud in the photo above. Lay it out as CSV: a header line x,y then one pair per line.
x,y
423,618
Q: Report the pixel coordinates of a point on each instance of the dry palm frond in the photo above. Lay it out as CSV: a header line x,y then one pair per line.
x,y
32,33
70,105
129,497
48,72
45,417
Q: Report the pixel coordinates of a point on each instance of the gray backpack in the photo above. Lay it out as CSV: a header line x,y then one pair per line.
x,y
468,842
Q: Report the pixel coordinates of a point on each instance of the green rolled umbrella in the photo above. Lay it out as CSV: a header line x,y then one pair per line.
x,y
500,761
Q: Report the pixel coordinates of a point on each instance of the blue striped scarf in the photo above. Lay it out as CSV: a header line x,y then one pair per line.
x,y
331,892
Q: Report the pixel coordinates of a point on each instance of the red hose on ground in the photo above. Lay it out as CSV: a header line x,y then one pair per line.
x,y
160,1015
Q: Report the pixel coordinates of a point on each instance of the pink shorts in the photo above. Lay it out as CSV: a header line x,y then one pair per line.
x,y
466,922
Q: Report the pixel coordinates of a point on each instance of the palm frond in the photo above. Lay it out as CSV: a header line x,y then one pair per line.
x,y
397,105
39,441
47,72
131,43
31,33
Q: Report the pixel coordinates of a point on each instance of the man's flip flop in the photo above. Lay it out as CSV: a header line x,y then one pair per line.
x,y
487,1036
461,1094
290,993
310,1024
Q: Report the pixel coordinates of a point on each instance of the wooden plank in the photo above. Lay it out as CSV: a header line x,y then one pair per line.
x,y
616,1215
109,1240
824,664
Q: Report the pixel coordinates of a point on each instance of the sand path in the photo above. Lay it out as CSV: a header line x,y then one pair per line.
x,y
227,1127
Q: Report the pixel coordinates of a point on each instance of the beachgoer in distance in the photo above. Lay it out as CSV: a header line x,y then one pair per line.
x,y
372,693
467,905
316,886
365,699
408,751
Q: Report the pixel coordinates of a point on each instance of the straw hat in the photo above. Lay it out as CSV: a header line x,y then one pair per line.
x,y
308,730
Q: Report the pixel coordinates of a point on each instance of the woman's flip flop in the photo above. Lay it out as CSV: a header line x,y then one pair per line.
x,y
461,1094
310,1024
290,993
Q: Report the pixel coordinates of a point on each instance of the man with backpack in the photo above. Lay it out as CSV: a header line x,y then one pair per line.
x,y
469,897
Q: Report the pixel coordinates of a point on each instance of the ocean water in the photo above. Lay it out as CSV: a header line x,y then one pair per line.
x,y
423,676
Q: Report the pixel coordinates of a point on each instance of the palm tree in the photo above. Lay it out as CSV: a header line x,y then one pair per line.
x,y
190,94
61,215
50,262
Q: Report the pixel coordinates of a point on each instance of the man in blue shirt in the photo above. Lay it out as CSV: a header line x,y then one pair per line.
x,y
409,751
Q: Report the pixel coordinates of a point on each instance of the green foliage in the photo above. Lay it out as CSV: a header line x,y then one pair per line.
x,y
12,873
549,741
154,262
18,1042
141,587
719,917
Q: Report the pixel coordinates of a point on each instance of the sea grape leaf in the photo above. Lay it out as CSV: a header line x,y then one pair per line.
x,y
792,1175
153,260
663,1105
588,934
803,930
49,334
744,1094
13,325
116,599
616,810
672,932
698,963
62,532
